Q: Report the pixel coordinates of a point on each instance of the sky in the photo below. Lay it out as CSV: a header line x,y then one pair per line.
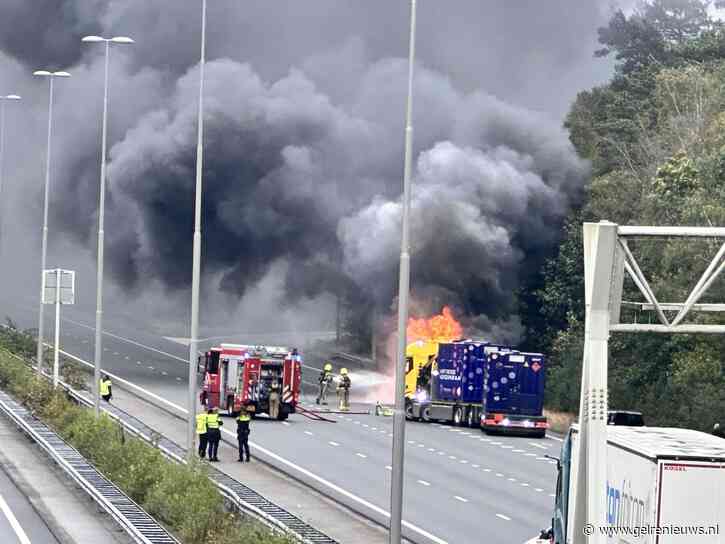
x,y
303,148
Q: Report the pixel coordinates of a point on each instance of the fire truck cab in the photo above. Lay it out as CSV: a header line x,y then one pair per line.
x,y
237,375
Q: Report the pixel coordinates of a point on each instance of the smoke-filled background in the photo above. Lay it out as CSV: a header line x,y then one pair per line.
x,y
303,154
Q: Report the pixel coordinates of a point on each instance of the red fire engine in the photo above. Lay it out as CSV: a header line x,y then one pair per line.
x,y
238,375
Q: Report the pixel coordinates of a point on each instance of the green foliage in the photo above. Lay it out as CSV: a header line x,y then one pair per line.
x,y
181,496
656,138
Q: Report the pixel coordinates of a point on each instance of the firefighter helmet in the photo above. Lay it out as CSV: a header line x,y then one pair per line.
x,y
328,367
343,372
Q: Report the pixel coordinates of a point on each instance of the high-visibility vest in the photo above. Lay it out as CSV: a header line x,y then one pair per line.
x,y
212,421
200,423
105,387
244,417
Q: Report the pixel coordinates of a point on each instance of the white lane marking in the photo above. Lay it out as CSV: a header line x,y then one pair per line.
x,y
309,433
485,439
421,445
464,462
151,368
476,466
495,443
512,479
388,467
285,423
460,498
453,457
503,517
366,425
285,462
507,447
431,449
362,455
524,484
115,353
138,362
518,451
164,373
178,379
551,495
499,475
127,357
390,435
129,341
530,455
441,453
356,422
411,441
487,470
423,482
335,444
542,459
538,446
373,428
17,528
555,438
539,489
466,433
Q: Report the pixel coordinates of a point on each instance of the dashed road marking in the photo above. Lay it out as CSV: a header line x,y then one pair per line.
x,y
460,498
518,451
164,373
530,455
138,362
151,368
335,444
524,484
423,482
388,467
538,446
464,462
309,433
431,449
503,517
453,457
178,379
285,423
507,447
476,466
512,479
538,489
127,357
487,470
421,445
499,475
362,455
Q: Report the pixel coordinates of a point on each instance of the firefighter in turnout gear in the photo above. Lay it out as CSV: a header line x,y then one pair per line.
x,y
202,434
324,380
343,390
214,433
105,388
243,434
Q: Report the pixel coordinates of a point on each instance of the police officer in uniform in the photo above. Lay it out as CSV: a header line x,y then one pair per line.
x,y
324,380
105,388
214,433
343,390
243,434
202,434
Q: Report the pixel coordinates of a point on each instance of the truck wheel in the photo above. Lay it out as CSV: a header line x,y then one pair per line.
x,y
458,416
409,410
425,413
539,434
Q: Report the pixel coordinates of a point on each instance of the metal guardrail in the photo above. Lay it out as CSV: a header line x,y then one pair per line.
x,y
242,497
135,521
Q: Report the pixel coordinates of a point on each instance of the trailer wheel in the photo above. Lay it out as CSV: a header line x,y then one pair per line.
x,y
425,413
471,419
458,416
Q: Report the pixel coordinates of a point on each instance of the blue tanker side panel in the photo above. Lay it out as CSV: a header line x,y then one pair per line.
x,y
448,382
515,383
473,370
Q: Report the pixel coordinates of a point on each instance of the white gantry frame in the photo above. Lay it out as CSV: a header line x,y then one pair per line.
x,y
606,259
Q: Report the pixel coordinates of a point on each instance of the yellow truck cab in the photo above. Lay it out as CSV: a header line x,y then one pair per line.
x,y
417,356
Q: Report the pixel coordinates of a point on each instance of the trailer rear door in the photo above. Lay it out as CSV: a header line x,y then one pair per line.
x,y
691,497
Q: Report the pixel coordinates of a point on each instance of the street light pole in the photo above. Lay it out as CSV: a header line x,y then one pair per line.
x,y
3,99
196,262
397,476
46,191
101,219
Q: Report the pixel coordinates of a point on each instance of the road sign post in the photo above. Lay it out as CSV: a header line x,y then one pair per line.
x,y
58,288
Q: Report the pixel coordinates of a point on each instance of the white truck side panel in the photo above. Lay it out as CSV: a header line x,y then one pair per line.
x,y
631,493
692,497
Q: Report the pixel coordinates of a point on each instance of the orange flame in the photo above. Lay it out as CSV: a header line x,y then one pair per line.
x,y
439,328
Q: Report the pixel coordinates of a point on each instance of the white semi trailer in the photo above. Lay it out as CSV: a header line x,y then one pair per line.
x,y
664,486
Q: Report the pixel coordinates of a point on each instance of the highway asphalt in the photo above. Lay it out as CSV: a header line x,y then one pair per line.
x,y
461,487
19,522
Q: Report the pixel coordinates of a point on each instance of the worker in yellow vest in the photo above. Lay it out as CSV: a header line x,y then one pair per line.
x,y
105,388
202,434
243,434
214,433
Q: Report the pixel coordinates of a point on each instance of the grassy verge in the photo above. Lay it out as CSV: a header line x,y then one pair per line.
x,y
559,422
180,496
